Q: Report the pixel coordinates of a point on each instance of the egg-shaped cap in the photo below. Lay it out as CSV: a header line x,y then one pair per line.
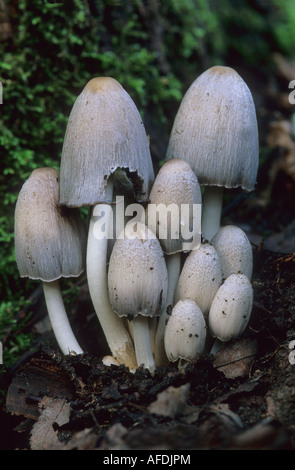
x,y
104,133
50,240
215,130
231,308
185,332
176,189
234,250
137,276
201,277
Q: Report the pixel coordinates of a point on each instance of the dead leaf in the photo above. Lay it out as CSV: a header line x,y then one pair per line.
x,y
114,438
171,402
268,434
53,410
217,424
235,360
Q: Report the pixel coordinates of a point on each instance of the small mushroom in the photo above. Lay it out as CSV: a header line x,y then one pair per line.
x,y
105,146
49,244
201,277
138,281
234,250
215,131
231,309
185,332
175,197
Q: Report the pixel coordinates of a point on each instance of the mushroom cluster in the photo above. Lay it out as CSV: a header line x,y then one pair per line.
x,y
165,282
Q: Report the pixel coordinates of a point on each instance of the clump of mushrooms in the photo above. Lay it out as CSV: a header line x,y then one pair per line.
x,y
213,143
105,144
215,131
137,283
49,244
185,333
174,213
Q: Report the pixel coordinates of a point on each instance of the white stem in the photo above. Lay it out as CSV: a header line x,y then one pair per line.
x,y
59,319
153,325
217,346
211,211
113,327
142,343
173,268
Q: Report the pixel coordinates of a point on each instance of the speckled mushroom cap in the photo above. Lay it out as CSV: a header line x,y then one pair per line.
x,y
49,240
175,184
201,277
234,250
137,275
231,308
105,133
185,332
215,130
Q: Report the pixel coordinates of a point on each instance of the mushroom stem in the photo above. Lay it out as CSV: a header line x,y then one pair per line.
x,y
114,330
217,346
142,343
58,318
211,211
173,262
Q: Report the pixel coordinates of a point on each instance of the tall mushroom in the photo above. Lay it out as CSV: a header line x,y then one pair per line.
x,y
174,214
215,131
105,137
49,244
138,282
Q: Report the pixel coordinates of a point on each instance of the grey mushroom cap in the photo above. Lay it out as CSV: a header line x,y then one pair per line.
x,y
175,186
234,250
215,130
49,240
105,133
137,275
231,308
185,332
201,277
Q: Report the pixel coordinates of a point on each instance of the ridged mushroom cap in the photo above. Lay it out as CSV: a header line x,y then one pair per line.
x,y
215,130
137,275
185,332
49,240
201,277
234,250
231,308
105,133
176,184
